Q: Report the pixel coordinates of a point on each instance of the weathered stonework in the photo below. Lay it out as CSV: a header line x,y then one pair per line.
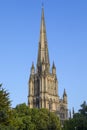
x,y
43,83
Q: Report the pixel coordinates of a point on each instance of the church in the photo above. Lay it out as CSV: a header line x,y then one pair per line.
x,y
43,83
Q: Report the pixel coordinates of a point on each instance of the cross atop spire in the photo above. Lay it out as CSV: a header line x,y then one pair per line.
x,y
43,47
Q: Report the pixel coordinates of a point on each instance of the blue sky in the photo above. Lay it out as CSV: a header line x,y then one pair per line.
x,y
66,24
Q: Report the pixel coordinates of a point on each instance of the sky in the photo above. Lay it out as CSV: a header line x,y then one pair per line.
x,y
66,27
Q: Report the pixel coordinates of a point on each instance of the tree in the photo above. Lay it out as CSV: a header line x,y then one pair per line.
x,y
22,117
4,106
83,110
79,120
25,118
45,120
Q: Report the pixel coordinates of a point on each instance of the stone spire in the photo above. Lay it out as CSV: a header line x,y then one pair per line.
x,y
43,47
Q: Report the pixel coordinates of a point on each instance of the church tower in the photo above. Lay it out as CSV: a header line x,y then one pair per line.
x,y
43,83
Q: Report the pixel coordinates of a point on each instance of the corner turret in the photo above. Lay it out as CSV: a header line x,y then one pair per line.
x,y
65,97
53,69
32,69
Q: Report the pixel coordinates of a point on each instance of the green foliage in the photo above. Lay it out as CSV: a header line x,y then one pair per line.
x,y
79,120
22,117
25,118
83,110
4,99
4,106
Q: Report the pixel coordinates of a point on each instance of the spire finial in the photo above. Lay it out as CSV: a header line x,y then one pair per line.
x,y
42,4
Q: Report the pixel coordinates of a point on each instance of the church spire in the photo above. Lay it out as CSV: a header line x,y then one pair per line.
x,y
43,47
43,38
